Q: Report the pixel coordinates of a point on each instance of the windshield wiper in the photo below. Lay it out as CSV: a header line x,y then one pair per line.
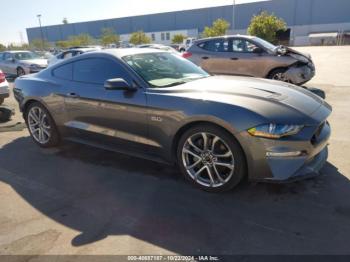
x,y
184,81
176,83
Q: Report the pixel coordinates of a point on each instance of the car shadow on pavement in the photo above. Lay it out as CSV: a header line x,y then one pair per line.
x,y
102,194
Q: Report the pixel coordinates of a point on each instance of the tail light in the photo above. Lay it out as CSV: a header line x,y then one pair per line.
x,y
2,77
186,54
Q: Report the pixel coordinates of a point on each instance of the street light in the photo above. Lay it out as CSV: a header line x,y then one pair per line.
x,y
41,31
233,15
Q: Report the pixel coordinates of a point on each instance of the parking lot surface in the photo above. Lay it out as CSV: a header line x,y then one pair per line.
x,y
81,200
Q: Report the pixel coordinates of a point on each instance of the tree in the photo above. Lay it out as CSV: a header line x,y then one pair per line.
x,y
80,40
62,44
266,26
39,44
65,21
178,38
2,47
218,28
109,37
138,38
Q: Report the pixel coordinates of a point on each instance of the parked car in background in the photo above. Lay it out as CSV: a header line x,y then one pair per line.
x,y
4,88
187,43
71,53
44,54
18,63
251,56
176,47
159,47
158,105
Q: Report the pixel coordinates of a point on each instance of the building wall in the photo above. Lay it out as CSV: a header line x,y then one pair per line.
x,y
302,16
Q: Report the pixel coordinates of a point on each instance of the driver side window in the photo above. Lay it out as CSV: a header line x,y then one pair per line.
x,y
98,70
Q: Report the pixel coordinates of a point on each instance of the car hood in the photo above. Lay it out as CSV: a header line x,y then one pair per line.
x,y
285,50
251,93
39,62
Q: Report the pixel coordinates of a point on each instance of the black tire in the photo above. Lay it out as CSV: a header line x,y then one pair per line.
x,y
54,139
277,73
240,169
2,100
20,72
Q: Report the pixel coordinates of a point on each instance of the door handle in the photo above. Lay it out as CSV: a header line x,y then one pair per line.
x,y
73,95
234,58
205,58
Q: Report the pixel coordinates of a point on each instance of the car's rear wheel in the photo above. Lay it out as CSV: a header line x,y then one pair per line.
x,y
20,72
41,126
211,158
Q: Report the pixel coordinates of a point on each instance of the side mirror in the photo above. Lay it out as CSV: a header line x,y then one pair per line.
x,y
258,50
118,84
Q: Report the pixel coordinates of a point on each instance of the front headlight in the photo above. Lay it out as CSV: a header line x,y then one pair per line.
x,y
274,130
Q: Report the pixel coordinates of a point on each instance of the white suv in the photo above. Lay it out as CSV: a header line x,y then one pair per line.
x,y
4,88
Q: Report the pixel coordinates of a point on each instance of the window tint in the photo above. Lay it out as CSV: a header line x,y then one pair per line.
x,y
64,72
241,45
218,45
97,71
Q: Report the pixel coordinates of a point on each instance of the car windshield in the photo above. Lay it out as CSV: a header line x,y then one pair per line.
x,y
265,44
25,56
164,69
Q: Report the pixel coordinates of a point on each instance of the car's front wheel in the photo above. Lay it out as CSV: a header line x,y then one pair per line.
x,y
211,158
279,75
41,126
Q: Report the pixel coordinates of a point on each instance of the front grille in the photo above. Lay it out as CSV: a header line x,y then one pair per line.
x,y
317,134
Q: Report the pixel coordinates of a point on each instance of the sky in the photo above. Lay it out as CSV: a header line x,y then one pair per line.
x,y
21,14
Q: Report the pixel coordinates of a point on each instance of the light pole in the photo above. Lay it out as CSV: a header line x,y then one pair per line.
x,y
41,31
233,15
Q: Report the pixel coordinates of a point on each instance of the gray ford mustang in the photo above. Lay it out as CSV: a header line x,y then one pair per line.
x,y
159,106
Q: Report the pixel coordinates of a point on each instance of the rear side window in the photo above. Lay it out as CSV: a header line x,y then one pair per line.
x,y
97,70
64,72
217,45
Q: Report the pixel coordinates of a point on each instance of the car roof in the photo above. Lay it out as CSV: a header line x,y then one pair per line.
x,y
226,36
84,49
17,51
121,52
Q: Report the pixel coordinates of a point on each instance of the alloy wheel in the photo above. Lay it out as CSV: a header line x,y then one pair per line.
x,y
38,123
208,160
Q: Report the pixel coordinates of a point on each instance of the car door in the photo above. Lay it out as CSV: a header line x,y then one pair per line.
x,y
213,57
107,117
243,59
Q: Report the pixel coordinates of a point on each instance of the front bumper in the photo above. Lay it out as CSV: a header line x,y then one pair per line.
x,y
300,74
312,143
